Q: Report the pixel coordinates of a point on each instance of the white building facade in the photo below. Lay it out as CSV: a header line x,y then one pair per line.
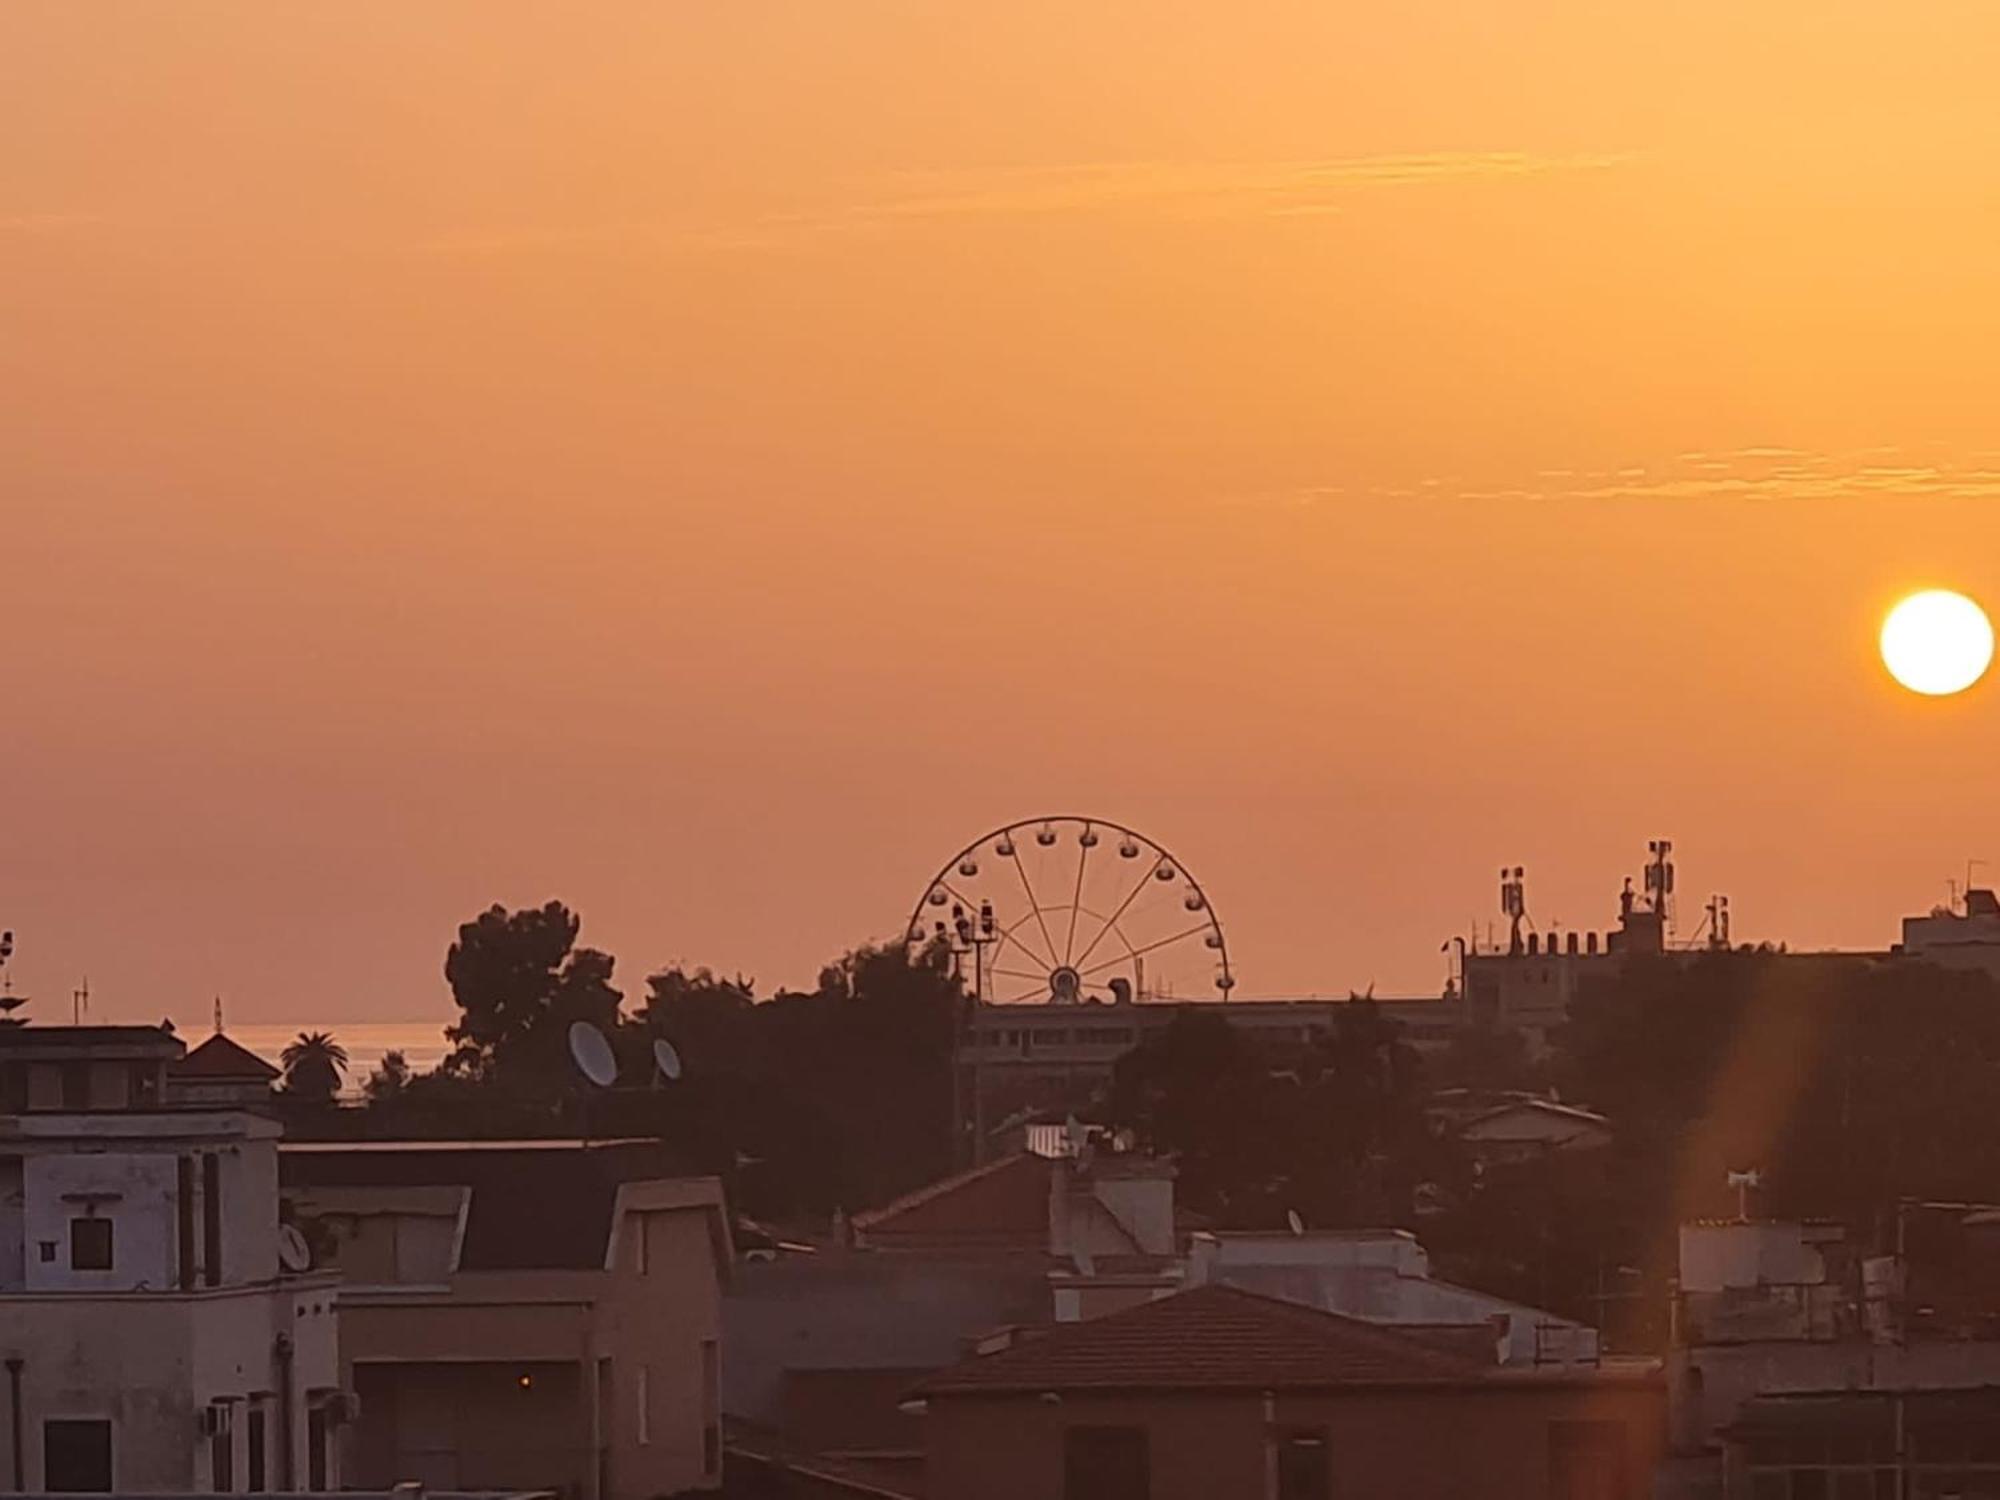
x,y
151,1340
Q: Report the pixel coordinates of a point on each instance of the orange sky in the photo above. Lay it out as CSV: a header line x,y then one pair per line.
x,y
707,462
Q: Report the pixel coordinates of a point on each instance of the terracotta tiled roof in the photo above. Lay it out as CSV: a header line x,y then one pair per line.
x,y
219,1057
1003,1202
1211,1338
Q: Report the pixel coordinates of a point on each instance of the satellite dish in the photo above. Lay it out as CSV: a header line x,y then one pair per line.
x,y
1293,1222
666,1059
293,1252
592,1054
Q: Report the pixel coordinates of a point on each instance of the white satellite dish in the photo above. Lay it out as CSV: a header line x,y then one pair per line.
x,y
293,1252
666,1059
1293,1222
592,1054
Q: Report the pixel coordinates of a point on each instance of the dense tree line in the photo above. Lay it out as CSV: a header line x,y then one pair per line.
x,y
803,1101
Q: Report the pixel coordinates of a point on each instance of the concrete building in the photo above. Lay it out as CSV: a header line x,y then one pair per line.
x,y
1382,1276
1961,937
1774,1317
542,1313
824,1345
1020,1061
1221,1392
153,1336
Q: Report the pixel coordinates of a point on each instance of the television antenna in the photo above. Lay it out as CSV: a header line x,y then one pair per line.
x,y
1743,1182
666,1061
293,1252
9,1001
592,1054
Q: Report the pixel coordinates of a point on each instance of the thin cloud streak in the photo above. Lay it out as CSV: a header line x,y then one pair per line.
x,y
1770,474
1249,189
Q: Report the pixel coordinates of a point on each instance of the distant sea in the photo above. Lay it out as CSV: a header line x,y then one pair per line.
x,y
422,1043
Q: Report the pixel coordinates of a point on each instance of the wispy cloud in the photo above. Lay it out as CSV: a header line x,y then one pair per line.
x,y
1276,189
1770,474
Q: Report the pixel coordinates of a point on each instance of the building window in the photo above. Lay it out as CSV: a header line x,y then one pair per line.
x,y
76,1457
75,1085
90,1244
1304,1466
711,1407
318,1433
1587,1461
221,1450
1106,1463
258,1479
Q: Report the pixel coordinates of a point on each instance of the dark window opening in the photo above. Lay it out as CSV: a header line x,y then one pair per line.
x,y
184,1220
211,1219
76,1085
221,1452
255,1456
1587,1461
90,1244
1106,1463
316,1439
1304,1466
76,1457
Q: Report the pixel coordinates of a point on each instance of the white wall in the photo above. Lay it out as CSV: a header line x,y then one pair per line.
x,y
135,1192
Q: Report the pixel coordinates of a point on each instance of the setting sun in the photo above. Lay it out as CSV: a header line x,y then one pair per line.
x,y
1937,642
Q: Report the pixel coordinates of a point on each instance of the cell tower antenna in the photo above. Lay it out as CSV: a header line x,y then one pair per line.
x,y
1514,902
1718,922
1660,879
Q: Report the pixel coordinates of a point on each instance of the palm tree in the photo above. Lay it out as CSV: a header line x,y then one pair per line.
x,y
314,1065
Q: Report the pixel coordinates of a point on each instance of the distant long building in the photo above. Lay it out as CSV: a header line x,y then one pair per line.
x,y
1019,1061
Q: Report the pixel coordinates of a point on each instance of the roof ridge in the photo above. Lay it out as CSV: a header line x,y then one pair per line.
x,y
937,1189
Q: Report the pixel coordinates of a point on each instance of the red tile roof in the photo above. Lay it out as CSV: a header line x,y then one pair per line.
x,y
1211,1338
1005,1202
219,1057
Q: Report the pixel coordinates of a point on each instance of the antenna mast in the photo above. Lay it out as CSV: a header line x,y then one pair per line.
x,y
9,1001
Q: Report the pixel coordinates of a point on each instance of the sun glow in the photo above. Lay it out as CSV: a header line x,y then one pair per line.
x,y
1937,643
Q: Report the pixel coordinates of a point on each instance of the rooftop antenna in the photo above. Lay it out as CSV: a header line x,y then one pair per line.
x,y
666,1061
592,1054
1514,902
1718,922
9,1001
218,1015
79,1002
1743,1182
1660,879
595,1060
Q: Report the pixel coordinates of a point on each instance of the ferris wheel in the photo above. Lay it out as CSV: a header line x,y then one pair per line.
x,y
1071,910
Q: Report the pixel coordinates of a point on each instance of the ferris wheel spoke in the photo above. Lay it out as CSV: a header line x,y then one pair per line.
x,y
1076,897
1028,889
1112,963
1033,992
1005,934
1112,920
1019,974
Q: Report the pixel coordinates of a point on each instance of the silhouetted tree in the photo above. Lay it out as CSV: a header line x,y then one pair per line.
x,y
314,1065
388,1080
520,981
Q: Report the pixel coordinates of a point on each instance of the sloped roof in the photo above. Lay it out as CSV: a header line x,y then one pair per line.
x,y
1212,1338
531,1209
1003,1202
221,1059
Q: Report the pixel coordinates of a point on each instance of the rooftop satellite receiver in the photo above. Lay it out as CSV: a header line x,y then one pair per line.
x,y
293,1252
592,1054
1293,1222
666,1059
